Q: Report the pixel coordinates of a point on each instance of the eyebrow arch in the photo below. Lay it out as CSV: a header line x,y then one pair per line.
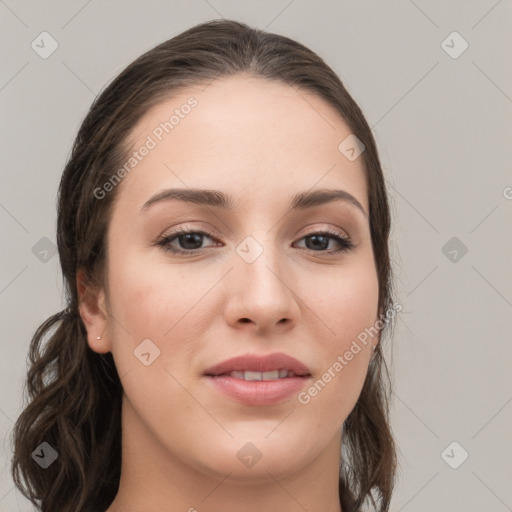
x,y
300,201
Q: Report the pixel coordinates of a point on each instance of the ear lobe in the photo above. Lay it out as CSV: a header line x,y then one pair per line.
x,y
91,305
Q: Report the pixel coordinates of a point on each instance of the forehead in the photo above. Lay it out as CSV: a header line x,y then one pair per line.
x,y
253,138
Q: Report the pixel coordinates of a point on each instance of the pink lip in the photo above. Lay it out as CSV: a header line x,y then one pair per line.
x,y
254,363
259,392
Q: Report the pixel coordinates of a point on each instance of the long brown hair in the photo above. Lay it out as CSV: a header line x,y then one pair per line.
x,y
74,393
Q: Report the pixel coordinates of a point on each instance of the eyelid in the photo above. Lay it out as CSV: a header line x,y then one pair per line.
x,y
213,232
186,227
342,238
315,228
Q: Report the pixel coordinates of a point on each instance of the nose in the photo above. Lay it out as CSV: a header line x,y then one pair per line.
x,y
260,294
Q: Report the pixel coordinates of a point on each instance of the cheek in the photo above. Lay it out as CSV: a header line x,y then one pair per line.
x,y
347,305
169,304
151,298
161,303
346,302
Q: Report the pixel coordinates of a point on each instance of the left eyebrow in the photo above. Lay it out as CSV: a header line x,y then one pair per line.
x,y
216,198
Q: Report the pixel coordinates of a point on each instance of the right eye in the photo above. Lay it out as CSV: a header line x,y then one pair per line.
x,y
188,237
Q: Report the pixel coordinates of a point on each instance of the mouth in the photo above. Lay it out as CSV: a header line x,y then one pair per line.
x,y
256,367
260,376
257,380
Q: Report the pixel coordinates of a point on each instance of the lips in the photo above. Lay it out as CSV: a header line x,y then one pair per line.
x,y
259,380
253,363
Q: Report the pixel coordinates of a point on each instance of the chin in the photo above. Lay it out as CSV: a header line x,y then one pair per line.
x,y
262,471
254,456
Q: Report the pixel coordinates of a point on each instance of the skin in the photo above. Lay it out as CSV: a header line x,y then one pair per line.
x,y
261,142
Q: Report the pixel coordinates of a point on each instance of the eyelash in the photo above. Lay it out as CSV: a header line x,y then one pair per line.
x,y
345,242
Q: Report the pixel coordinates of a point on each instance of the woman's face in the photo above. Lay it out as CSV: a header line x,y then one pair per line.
x,y
258,283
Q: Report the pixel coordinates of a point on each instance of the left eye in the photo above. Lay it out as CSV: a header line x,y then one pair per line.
x,y
192,241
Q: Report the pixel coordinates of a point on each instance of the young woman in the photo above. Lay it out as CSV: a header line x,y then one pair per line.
x,y
223,235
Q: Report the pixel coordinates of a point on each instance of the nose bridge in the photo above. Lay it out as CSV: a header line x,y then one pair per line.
x,y
260,279
260,260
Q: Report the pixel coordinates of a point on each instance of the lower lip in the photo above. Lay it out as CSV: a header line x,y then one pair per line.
x,y
258,392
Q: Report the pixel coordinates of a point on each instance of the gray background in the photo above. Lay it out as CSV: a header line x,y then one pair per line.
x,y
443,128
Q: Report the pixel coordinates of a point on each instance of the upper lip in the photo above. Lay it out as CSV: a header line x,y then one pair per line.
x,y
255,363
